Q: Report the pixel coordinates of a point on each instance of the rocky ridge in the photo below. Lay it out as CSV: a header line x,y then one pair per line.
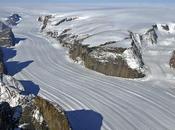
x,y
18,108
28,112
106,58
7,37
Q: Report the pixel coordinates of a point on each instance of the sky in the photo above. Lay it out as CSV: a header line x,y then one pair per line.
x,y
90,1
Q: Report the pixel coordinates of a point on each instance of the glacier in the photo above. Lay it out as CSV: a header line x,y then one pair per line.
x,y
147,103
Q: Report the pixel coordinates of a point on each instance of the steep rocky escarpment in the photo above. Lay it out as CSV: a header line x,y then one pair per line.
x,y
99,49
44,115
53,114
93,44
6,35
22,110
109,61
27,111
105,58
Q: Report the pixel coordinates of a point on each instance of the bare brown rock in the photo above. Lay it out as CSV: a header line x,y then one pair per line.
x,y
53,115
114,67
6,35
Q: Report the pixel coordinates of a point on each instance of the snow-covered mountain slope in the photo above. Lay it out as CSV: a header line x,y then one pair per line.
x,y
98,29
21,110
123,104
11,92
12,102
109,57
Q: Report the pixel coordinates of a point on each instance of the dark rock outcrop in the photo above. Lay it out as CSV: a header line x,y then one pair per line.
x,y
150,36
165,27
28,112
45,21
13,19
112,66
137,46
7,37
108,65
65,20
50,116
2,66
172,60
40,19
53,116
9,116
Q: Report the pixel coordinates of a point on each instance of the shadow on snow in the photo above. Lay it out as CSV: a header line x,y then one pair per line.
x,y
17,40
84,120
8,53
13,67
29,87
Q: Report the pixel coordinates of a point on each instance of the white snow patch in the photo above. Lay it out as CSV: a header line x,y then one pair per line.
x,y
56,45
104,56
10,91
79,61
83,17
131,59
38,116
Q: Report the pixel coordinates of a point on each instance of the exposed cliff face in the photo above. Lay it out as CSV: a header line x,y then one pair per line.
x,y
6,35
172,60
146,39
106,59
44,115
150,37
27,111
109,61
53,114
44,20
2,66
11,102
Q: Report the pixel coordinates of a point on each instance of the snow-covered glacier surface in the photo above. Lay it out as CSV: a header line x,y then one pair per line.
x,y
124,104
